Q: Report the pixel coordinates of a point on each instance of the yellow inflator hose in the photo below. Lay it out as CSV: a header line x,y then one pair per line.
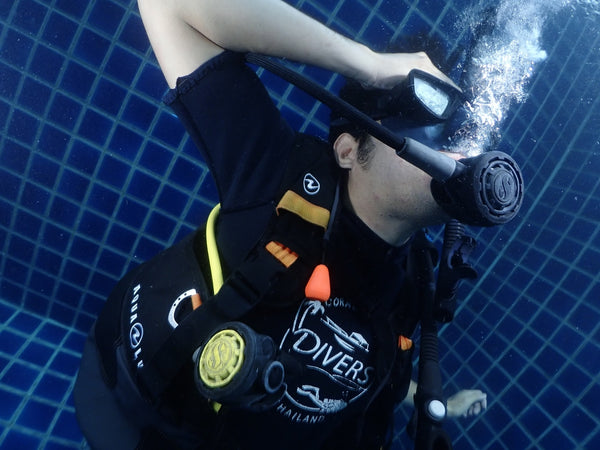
x,y
214,260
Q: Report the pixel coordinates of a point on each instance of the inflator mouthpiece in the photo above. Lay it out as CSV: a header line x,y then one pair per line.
x,y
487,190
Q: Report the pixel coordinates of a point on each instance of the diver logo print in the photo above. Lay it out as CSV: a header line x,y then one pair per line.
x,y
337,370
311,184
136,334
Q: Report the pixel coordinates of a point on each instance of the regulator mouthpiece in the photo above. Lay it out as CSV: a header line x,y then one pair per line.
x,y
486,191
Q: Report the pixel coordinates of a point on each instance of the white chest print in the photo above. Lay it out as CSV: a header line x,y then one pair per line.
x,y
336,361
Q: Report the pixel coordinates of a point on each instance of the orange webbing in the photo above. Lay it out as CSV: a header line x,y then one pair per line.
x,y
285,256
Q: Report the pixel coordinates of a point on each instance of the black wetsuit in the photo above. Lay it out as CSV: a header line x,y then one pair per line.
x,y
354,373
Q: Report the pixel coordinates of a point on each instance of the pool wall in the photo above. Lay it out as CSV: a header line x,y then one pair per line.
x,y
96,176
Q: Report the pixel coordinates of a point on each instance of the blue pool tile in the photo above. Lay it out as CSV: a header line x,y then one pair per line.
x,y
550,361
5,8
66,426
591,401
172,200
95,127
77,274
16,48
92,304
65,364
84,157
113,171
143,186
126,143
84,322
102,199
15,271
111,263
26,323
59,31
573,380
152,82
51,333
160,226
554,401
44,171
42,283
556,438
46,64
75,9
75,341
16,440
29,16
52,445
9,404
132,213
20,376
139,112
21,249
10,342
93,225
156,158
106,16
37,415
22,127
584,318
147,249
579,424
185,174
55,237
6,312
122,64
9,81
34,96
84,251
108,96
63,212
91,47
134,35
73,185
53,142
121,238
11,185
14,156
36,303
64,111
567,340
591,365
77,80
169,130
61,313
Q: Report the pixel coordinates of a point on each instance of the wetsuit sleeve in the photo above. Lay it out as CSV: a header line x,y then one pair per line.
x,y
237,128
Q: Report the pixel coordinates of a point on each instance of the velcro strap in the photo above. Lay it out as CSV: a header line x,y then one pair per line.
x,y
308,211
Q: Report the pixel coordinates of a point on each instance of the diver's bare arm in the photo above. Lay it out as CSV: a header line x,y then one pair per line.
x,y
186,33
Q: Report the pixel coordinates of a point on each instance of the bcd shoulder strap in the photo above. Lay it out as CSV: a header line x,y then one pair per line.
x,y
289,250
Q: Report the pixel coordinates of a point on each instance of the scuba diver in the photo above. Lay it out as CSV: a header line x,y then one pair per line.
x,y
286,321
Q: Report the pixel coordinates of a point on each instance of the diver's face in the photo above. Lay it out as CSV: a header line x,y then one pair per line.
x,y
403,190
387,192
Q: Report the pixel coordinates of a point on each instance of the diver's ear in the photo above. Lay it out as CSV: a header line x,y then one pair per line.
x,y
345,148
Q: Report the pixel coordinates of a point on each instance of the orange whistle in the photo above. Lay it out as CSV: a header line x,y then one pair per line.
x,y
318,286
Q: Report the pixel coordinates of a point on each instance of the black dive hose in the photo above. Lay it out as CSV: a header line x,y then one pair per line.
x,y
484,190
430,407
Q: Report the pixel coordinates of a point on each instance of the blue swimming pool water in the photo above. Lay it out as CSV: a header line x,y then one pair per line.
x,y
96,176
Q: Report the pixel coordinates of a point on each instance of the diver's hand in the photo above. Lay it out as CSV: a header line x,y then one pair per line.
x,y
392,68
466,403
